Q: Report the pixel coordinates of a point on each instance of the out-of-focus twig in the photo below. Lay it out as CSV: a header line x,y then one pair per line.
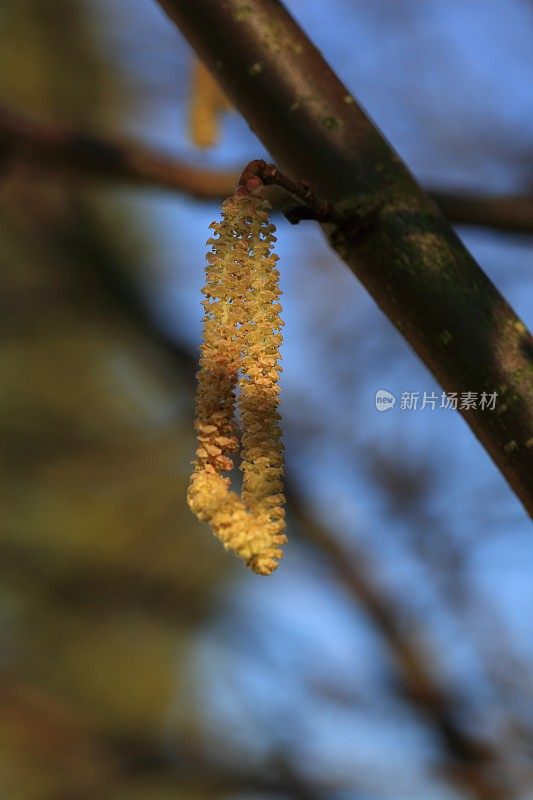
x,y
513,214
474,763
63,148
60,147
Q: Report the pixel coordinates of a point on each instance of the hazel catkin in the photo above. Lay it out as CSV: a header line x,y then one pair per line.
x,y
241,340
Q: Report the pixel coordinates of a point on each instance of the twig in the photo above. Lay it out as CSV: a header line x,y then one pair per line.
x,y
303,202
471,760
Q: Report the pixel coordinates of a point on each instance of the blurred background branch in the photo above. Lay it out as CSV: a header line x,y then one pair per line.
x,y
63,148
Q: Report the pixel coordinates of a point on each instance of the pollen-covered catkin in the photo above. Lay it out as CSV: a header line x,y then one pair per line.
x,y
242,336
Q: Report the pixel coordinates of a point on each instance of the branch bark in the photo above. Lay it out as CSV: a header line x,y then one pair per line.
x,y
406,254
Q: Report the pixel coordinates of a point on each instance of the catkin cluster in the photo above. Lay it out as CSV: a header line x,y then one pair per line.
x,y
242,336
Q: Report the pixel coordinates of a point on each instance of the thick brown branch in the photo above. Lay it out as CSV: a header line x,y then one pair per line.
x,y
61,147
408,258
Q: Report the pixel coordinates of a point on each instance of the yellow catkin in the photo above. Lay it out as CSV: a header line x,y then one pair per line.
x,y
208,102
242,336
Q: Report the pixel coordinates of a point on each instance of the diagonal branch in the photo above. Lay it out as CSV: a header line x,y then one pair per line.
x,y
406,254
63,148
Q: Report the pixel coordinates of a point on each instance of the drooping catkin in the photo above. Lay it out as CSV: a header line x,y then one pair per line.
x,y
242,336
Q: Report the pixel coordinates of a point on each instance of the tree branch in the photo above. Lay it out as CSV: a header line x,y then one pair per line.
x,y
64,148
503,213
61,147
407,255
